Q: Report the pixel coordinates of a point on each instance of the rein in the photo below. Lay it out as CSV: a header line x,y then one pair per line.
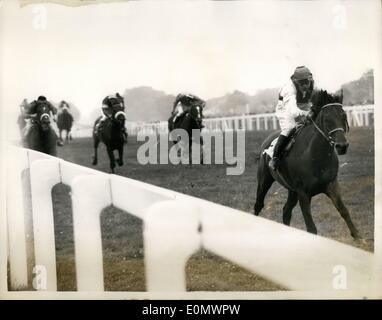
x,y
328,137
43,116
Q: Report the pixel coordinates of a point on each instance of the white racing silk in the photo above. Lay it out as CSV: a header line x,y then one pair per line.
x,y
287,109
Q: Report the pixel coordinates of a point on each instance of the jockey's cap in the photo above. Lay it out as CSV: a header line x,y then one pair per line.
x,y
41,98
302,73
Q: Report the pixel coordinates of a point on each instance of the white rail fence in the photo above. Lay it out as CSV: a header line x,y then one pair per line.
x,y
358,116
175,227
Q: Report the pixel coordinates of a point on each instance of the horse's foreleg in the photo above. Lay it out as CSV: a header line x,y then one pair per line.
x,y
264,182
333,192
111,158
201,150
120,156
67,136
304,201
60,135
95,156
288,207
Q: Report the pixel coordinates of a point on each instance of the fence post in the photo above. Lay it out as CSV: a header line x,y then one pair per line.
x,y
90,194
236,124
258,123
44,175
171,236
17,162
366,114
266,122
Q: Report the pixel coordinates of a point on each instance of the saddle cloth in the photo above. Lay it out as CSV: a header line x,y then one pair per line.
x,y
269,151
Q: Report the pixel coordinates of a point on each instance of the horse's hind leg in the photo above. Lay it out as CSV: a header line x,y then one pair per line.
x,y
333,192
95,156
264,182
304,201
288,207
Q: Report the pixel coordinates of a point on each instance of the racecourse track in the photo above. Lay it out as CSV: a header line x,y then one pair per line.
x,y
122,233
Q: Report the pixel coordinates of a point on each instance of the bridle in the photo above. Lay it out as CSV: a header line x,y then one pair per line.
x,y
119,113
43,115
328,136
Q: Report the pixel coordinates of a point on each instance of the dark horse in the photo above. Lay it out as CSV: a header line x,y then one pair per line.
x,y
112,136
311,165
193,119
41,136
65,122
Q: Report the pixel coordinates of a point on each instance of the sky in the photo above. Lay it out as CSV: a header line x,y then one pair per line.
x,y
209,48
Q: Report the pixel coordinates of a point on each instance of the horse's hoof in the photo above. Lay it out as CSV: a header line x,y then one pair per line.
x,y
120,163
60,143
94,162
356,236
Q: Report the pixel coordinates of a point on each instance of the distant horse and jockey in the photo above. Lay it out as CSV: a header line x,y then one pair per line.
x,y
187,115
38,134
110,129
65,121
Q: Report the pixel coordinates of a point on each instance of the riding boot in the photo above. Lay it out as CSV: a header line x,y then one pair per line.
x,y
279,147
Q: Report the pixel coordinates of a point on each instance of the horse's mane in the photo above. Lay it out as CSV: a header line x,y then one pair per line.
x,y
321,98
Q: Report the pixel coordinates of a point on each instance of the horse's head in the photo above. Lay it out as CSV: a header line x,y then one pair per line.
x,y
65,110
332,119
196,113
120,118
43,117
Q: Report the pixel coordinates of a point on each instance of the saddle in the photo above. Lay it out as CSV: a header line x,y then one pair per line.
x,y
292,138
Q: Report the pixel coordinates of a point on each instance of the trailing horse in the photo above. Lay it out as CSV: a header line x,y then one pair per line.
x,y
65,122
21,122
112,135
193,119
311,165
41,136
